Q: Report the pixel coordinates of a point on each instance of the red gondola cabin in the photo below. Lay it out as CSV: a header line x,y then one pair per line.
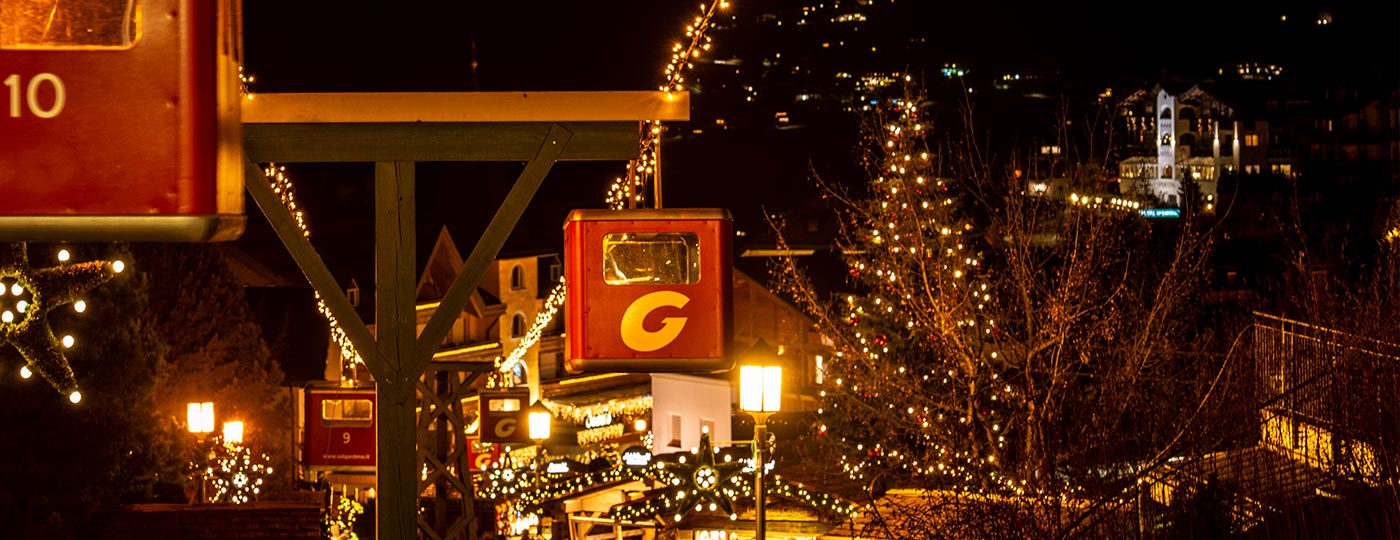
x,y
119,120
339,427
648,290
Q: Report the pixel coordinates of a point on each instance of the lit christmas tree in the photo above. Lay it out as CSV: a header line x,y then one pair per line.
x,y
996,343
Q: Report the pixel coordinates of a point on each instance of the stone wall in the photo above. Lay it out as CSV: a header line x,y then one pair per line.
x,y
254,521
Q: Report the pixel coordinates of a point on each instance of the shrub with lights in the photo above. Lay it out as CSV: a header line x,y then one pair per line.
x,y
235,473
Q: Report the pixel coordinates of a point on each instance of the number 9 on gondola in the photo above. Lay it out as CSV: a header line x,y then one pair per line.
x,y
648,290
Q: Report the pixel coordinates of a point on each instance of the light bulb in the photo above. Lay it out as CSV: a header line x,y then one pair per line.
x,y
63,256
75,396
7,316
24,372
118,266
67,342
79,306
22,306
16,289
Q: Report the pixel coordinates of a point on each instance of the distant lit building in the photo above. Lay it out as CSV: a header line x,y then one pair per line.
x,y
1177,140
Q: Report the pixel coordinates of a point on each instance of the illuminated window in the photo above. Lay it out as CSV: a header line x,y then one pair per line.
x,y
503,404
517,277
651,258
1167,140
1251,139
346,411
69,24
820,371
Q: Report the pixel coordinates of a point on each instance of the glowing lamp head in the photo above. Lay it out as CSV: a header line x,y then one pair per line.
x,y
63,255
75,396
24,372
200,417
760,379
640,424
233,432
118,266
761,388
539,422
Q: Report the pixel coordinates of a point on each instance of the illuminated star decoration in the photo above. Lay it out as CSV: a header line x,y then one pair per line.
x,y
28,295
689,486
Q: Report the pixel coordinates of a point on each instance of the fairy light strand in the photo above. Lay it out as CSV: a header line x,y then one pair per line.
x,y
628,191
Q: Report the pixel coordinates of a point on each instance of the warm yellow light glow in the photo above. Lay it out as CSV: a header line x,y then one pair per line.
x,y
539,422
67,340
24,372
79,306
760,388
233,432
75,396
640,424
118,266
63,255
200,417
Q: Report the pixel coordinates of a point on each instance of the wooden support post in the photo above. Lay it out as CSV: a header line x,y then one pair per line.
x,y
395,323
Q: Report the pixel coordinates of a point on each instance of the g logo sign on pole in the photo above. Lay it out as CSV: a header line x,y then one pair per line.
x,y
634,333
504,428
648,290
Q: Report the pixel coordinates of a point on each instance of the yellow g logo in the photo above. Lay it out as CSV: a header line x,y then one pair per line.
x,y
637,338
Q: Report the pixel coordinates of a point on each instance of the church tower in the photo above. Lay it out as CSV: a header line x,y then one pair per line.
x,y
1167,187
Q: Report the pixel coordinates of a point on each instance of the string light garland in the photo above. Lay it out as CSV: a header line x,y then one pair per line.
x,y
627,192
28,295
701,480
542,321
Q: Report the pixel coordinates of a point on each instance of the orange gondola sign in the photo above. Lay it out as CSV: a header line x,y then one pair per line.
x,y
648,290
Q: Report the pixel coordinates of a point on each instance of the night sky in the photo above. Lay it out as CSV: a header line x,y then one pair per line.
x,y
320,46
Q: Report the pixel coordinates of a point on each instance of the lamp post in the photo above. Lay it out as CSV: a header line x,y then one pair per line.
x,y
539,419
761,395
199,416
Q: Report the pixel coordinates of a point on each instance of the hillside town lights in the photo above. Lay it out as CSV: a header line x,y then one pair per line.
x,y
760,395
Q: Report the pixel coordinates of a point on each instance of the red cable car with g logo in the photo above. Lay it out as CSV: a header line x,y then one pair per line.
x,y
648,290
119,120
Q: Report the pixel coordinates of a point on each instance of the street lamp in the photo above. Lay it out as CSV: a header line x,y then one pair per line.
x,y
200,417
233,432
200,420
539,419
760,395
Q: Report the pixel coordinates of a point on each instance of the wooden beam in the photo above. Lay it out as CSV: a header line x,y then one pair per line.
x,y
490,243
489,107
515,141
314,268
